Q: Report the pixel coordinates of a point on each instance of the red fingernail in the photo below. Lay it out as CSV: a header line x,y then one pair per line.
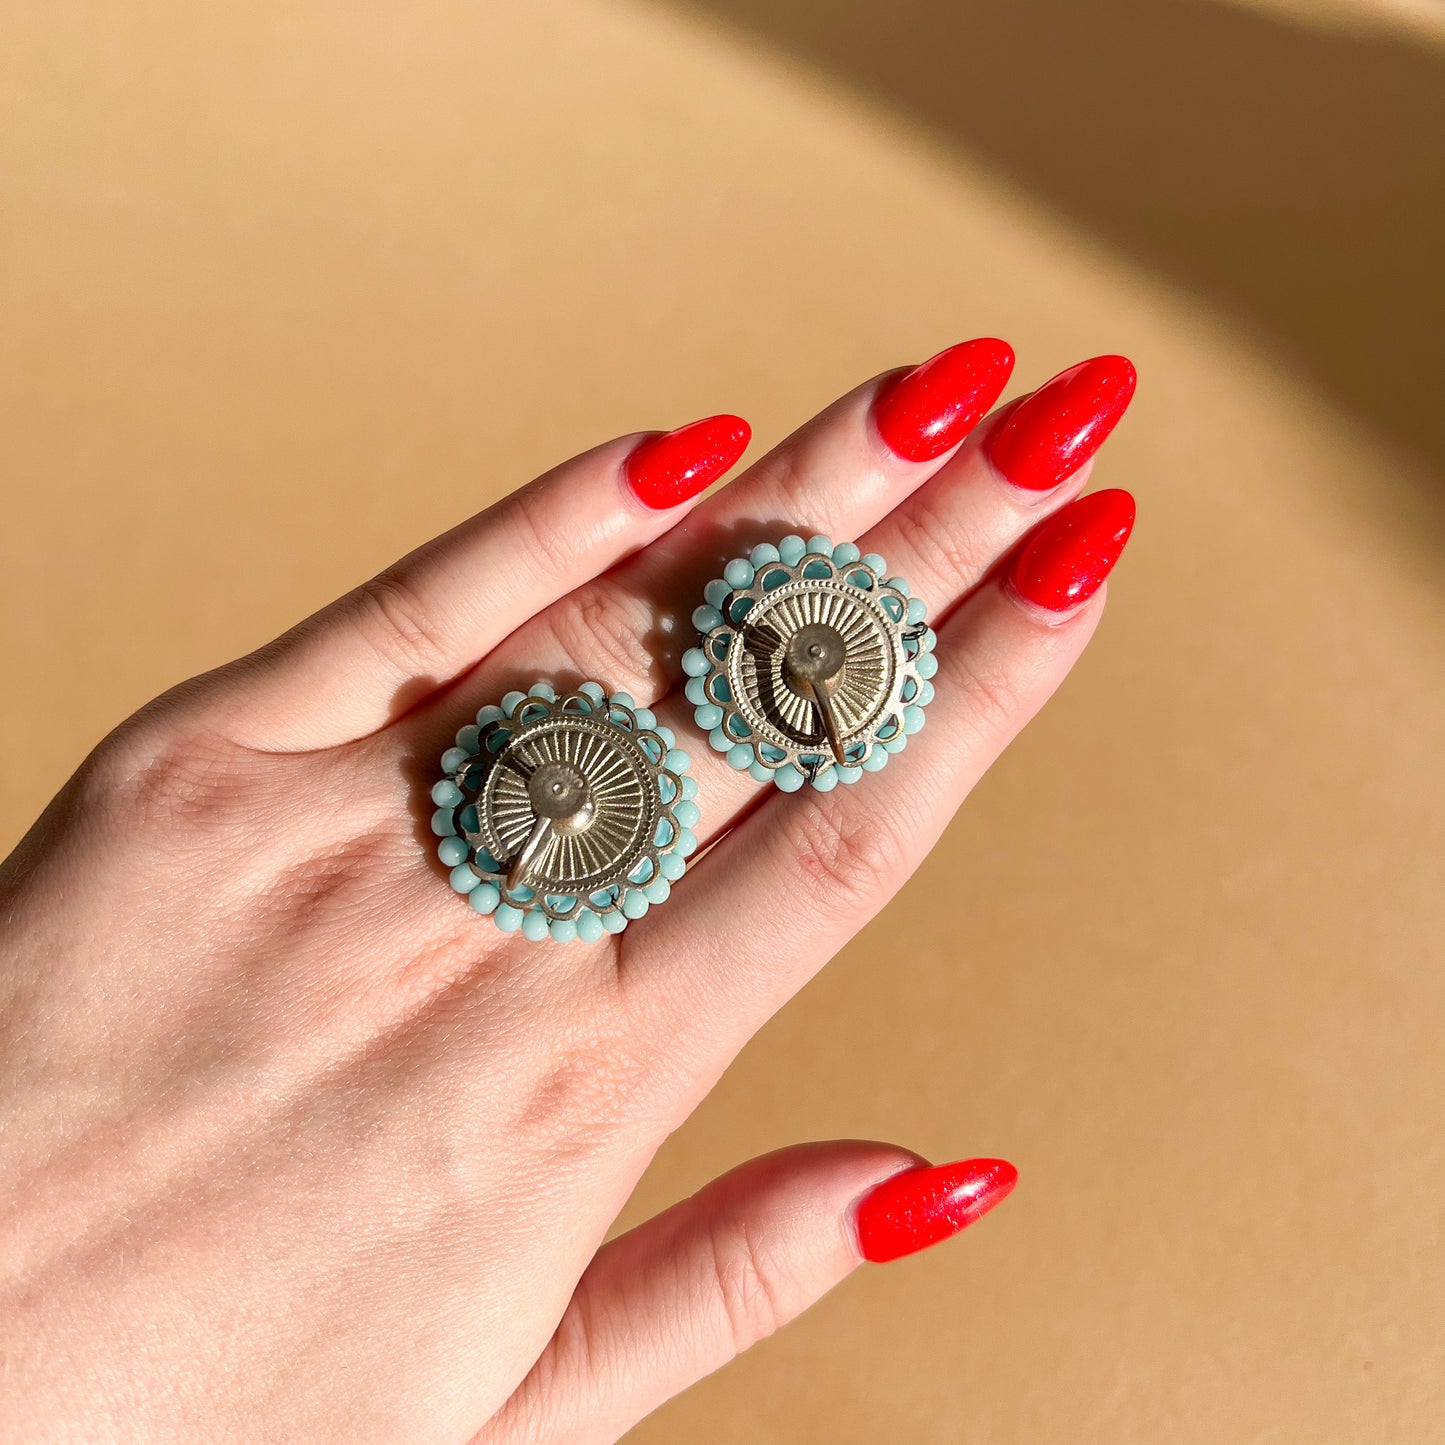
x,y
666,470
922,1206
1052,433
1064,562
933,407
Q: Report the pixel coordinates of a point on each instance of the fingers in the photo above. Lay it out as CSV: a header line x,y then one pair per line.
x,y
683,1294
372,655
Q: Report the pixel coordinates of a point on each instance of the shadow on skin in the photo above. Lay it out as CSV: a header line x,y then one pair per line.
x,y
1289,177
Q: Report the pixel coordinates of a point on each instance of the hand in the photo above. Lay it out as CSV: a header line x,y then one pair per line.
x,y
298,1147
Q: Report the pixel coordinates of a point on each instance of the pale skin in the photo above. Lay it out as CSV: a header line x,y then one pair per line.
x,y
294,1146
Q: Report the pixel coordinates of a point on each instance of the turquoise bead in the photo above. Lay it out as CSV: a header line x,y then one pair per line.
x,y
452,851
791,550
672,866
705,618
820,546
484,897
508,918
897,743
563,930
739,573
917,610
873,560
446,794
669,738
689,787
789,778
876,761
623,699
522,894
488,715
634,903
913,719
827,780
694,662
677,761
719,741
899,586
469,738
467,818
534,926
646,719
740,756
716,593
926,664
763,554
463,878
512,701
443,823
760,772
486,863
589,926
687,814
846,553
850,774
695,690
708,716
593,691
925,693
686,844
453,759
657,891
613,921
544,690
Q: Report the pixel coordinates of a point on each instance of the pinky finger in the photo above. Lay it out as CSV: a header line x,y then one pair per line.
x,y
686,1292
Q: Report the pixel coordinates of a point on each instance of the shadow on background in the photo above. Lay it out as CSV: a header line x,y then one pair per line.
x,y
1289,176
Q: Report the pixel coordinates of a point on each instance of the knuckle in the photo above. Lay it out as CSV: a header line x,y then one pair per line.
x,y
587,1092
546,545
164,777
601,634
934,539
844,854
399,625
743,1279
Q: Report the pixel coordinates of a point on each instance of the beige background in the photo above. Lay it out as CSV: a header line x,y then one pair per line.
x,y
288,288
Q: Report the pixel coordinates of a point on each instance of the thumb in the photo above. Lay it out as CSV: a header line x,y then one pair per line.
x,y
682,1294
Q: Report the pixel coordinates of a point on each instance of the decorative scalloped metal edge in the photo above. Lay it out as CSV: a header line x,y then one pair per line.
x,y
721,618
481,879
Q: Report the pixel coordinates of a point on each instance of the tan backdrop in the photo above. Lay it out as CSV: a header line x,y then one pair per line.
x,y
289,288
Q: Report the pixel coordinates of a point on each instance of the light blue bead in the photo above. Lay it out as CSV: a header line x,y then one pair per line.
x,y
488,715
512,701
820,546
463,878
544,690
469,738
443,823
646,719
897,743
789,778
925,693
917,610
739,573
623,699
446,794
850,774
672,866
689,787
669,738
926,664
873,560
687,814
846,553
634,903
593,691
453,759
467,819
508,918
695,690
485,897
589,926
705,618
452,851
534,926
686,844
899,586
791,550
740,756
876,761
913,719
658,890
613,921
719,741
826,781
762,555
522,894
486,863
563,930
708,716
716,593
694,662
677,760
760,772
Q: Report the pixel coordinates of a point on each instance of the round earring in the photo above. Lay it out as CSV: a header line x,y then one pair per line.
x,y
814,666
565,817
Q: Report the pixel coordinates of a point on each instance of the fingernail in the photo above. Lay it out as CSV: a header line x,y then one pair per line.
x,y
933,407
922,1206
1064,562
667,470
1052,433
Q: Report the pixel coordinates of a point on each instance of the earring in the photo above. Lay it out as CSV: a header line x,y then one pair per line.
x,y
814,666
565,817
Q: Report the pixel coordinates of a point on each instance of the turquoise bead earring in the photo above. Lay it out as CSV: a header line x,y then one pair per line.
x,y
565,817
813,665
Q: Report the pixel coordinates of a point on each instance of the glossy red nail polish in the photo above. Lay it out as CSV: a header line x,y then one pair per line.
x,y
924,412
1052,433
664,471
922,1206
1067,558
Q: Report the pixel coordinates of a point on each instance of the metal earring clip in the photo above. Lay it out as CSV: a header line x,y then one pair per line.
x,y
565,817
814,666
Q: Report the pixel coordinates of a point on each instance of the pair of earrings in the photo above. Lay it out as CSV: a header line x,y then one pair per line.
x,y
569,816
